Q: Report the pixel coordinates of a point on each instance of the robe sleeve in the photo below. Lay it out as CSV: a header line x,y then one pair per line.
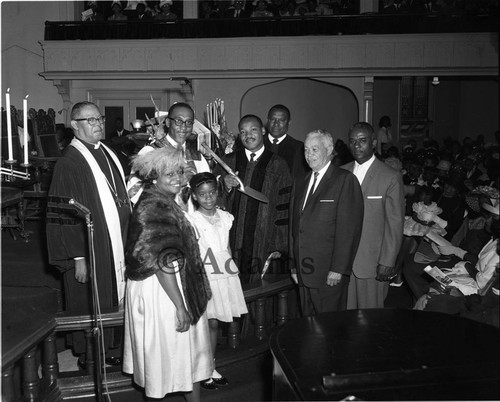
x,y
66,232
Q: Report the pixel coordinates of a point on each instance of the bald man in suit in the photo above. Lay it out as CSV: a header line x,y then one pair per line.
x,y
383,195
325,228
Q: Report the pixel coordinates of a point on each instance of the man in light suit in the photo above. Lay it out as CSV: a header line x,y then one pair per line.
x,y
383,196
325,228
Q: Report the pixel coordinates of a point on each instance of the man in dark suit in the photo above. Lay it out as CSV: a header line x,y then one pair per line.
x,y
383,195
118,135
280,142
325,228
237,10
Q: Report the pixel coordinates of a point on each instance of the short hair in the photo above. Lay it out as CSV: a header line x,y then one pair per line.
x,y
326,137
202,178
249,117
77,108
151,165
280,107
178,105
363,126
384,120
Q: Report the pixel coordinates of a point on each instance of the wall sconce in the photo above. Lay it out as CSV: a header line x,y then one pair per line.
x,y
435,81
138,125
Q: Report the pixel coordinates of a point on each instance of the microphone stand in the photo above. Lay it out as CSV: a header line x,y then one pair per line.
x,y
95,331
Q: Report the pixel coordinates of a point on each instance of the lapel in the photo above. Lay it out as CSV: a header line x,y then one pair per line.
x,y
319,189
371,174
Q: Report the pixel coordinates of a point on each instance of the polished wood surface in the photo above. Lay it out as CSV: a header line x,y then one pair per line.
x,y
385,355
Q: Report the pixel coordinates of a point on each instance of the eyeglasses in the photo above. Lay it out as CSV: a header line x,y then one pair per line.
x,y
93,120
180,122
179,172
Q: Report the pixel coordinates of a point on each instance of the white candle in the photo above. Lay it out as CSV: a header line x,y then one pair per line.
x,y
25,127
209,123
9,124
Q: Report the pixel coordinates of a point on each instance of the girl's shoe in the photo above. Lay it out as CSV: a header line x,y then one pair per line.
x,y
209,384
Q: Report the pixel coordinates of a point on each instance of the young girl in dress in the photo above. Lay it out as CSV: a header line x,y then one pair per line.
x,y
213,225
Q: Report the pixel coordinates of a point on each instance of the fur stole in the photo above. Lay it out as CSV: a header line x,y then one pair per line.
x,y
158,227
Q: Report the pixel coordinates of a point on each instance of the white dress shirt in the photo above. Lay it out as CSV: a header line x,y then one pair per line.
x,y
271,139
257,154
360,170
321,173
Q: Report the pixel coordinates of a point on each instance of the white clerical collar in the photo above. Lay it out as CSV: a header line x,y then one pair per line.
x,y
271,139
257,154
89,144
175,143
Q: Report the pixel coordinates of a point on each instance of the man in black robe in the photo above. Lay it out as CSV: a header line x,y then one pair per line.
x,y
90,173
259,229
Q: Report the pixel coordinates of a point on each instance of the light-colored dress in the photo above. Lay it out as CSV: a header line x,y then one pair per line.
x,y
161,359
227,299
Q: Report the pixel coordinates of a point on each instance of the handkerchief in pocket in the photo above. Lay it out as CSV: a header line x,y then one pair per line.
x,y
374,197
326,200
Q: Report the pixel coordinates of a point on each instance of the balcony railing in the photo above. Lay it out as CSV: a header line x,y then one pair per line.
x,y
285,26
28,340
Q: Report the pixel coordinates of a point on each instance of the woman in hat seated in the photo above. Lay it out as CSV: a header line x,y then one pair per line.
x,y
116,7
165,13
167,341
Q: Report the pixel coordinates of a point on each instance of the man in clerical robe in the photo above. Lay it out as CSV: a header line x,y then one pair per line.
x,y
259,229
89,173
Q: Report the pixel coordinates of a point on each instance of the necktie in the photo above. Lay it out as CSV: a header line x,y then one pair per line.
x,y
311,191
275,141
252,156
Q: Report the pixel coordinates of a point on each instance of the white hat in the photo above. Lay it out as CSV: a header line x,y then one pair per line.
x,y
493,207
165,2
116,2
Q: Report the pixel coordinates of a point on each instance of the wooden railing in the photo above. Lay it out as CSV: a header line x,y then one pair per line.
x,y
286,26
27,333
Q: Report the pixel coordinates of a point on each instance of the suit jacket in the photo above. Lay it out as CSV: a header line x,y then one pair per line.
x,y
382,234
325,235
292,151
229,13
113,136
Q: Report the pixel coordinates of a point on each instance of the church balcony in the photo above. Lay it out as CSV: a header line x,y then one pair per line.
x,y
370,23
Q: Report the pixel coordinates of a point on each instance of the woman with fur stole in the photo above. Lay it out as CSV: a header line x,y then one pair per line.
x,y
167,347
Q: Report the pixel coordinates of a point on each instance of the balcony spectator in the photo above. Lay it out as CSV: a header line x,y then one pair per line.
x,y
209,9
92,14
261,10
117,15
308,8
288,9
237,10
166,13
141,13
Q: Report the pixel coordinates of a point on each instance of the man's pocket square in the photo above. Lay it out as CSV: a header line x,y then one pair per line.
x,y
374,197
326,200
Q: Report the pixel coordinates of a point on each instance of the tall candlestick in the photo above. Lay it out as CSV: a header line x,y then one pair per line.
x,y
209,123
9,125
25,128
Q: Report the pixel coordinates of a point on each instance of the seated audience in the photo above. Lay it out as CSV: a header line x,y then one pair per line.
x,y
165,13
237,10
92,14
261,10
473,274
142,14
116,8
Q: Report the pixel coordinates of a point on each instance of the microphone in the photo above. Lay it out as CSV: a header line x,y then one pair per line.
x,y
68,203
84,210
